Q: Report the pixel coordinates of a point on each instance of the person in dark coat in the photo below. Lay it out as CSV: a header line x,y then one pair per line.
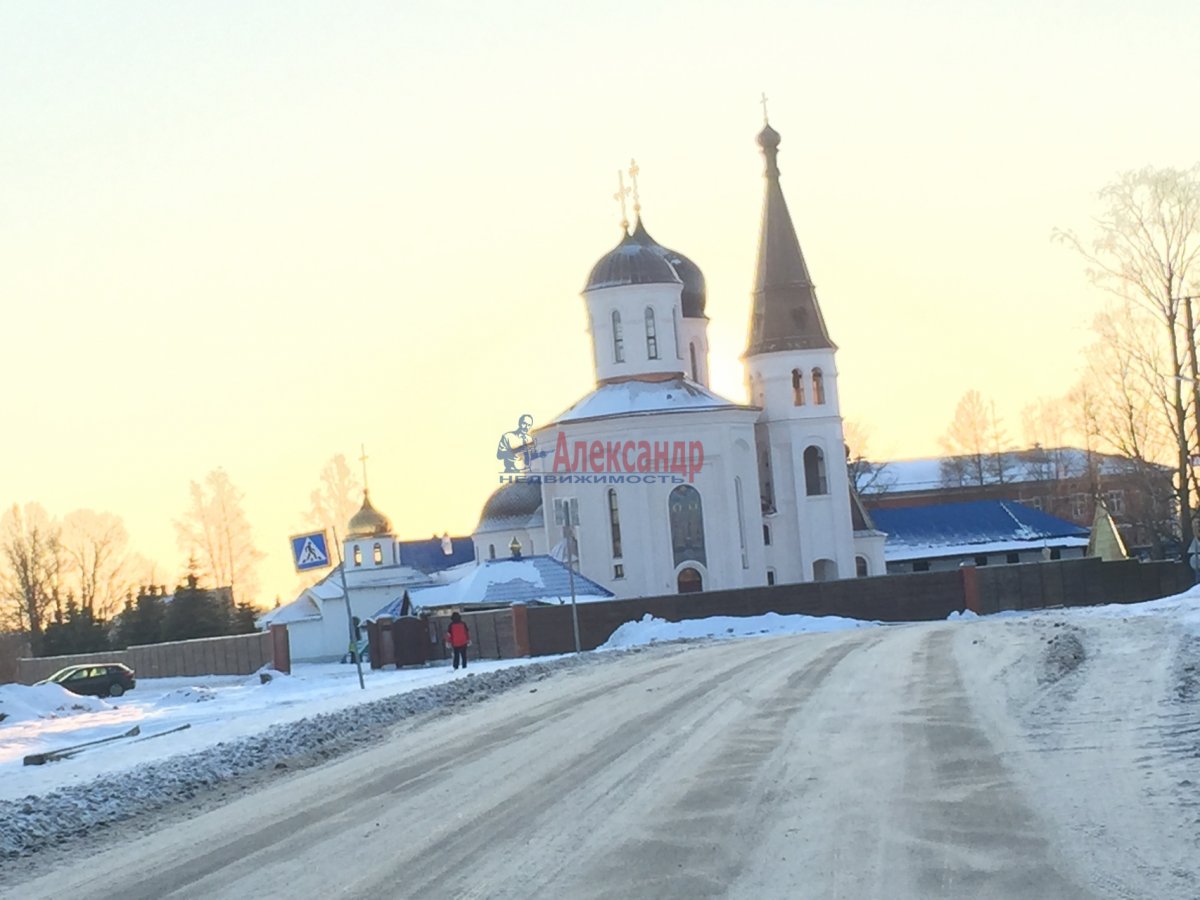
x,y
459,637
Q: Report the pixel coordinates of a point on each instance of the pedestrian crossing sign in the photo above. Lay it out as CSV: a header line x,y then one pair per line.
x,y
310,551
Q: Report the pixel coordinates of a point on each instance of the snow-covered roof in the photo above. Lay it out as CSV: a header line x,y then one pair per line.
x,y
965,529
626,398
303,608
530,579
1015,467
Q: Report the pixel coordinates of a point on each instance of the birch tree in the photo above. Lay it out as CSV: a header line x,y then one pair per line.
x,y
216,531
1146,252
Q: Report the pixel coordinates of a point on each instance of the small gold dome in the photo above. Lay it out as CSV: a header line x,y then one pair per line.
x,y
368,521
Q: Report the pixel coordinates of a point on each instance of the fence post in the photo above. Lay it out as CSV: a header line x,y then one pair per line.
x,y
281,657
520,621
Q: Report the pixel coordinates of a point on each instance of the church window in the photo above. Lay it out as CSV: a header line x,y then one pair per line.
x,y
687,525
618,571
818,387
814,472
860,567
766,535
770,576
614,521
695,368
618,339
491,551
651,335
378,556
797,387
741,522
690,581
357,555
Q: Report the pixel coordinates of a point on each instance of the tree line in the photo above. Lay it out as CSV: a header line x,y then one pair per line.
x,y
75,585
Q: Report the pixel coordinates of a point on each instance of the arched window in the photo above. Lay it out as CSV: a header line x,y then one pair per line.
x,y
618,339
741,522
818,387
824,570
860,567
614,521
687,525
797,387
378,555
695,368
491,551
651,335
814,472
689,581
357,555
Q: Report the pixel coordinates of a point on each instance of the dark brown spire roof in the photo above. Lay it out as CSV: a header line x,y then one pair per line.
x,y
785,315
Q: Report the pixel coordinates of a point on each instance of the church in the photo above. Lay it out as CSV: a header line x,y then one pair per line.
x,y
669,486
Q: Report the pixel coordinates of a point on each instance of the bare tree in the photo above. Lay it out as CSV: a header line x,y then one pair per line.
x,y
97,573
1147,253
865,476
337,499
974,442
215,529
30,577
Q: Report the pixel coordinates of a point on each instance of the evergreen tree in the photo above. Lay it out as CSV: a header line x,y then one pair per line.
x,y
195,612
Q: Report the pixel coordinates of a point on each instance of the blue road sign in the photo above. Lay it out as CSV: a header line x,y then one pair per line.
x,y
310,551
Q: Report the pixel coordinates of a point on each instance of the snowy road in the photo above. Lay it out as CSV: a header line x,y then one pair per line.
x,y
1033,758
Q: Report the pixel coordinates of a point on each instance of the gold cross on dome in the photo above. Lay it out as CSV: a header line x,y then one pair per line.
x,y
763,101
363,459
633,174
619,196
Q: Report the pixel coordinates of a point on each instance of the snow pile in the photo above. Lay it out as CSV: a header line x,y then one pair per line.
x,y
965,614
20,703
651,630
35,822
195,694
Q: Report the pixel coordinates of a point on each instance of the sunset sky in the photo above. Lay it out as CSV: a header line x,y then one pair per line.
x,y
254,235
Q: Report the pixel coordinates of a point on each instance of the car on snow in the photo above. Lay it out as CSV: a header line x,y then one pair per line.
x,y
97,679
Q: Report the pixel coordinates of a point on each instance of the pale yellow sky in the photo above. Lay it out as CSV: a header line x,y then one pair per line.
x,y
253,235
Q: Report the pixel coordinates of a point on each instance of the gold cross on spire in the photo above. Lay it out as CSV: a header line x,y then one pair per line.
x,y
633,174
619,196
363,459
763,101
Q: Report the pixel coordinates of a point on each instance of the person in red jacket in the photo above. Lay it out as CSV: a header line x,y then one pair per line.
x,y
458,636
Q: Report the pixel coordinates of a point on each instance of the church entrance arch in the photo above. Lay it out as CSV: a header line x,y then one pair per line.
x,y
825,570
690,581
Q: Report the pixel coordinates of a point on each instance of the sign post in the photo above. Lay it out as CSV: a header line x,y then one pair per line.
x,y
566,513
311,551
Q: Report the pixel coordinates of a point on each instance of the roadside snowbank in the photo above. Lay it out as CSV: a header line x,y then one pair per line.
x,y
650,630
38,821
21,703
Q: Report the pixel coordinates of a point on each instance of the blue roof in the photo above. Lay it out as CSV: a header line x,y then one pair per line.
x,y
427,556
530,579
964,524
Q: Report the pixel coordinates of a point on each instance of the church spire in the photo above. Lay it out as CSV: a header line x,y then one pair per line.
x,y
786,315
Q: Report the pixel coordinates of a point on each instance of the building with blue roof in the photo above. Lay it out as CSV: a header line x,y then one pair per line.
x,y
984,532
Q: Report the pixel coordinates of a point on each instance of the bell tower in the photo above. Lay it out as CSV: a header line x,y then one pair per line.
x,y
791,373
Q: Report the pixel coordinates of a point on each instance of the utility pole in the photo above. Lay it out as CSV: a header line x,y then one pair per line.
x,y
567,515
349,615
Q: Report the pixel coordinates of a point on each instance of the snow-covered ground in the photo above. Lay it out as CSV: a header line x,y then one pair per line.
x,y
238,725
218,709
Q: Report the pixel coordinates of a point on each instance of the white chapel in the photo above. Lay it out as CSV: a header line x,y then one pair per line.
x,y
771,502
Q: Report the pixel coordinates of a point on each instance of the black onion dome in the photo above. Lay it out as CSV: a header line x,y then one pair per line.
x,y
768,138
631,262
694,289
516,499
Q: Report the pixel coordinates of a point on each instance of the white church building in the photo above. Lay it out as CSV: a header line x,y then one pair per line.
x,y
770,501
